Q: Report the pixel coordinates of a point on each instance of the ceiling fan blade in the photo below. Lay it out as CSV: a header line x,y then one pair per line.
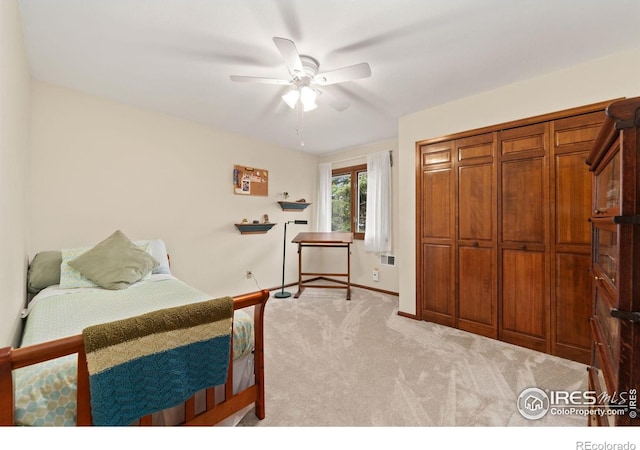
x,y
336,103
262,80
349,73
288,50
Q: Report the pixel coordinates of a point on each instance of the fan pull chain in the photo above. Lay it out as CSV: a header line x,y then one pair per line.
x,y
299,130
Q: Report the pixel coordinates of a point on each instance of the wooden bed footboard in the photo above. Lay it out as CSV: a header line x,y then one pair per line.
x,y
215,411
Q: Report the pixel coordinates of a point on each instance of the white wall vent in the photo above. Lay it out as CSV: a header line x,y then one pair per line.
x,y
388,260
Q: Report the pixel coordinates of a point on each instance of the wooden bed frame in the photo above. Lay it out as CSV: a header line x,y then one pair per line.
x,y
215,411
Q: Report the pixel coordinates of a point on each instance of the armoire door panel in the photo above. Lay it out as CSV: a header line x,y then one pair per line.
x,y
438,302
573,200
572,333
524,203
476,199
437,203
607,184
523,293
477,301
609,326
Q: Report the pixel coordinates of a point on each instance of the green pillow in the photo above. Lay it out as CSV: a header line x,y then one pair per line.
x,y
115,263
44,271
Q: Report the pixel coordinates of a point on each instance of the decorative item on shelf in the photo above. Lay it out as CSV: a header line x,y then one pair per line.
x,y
298,205
253,228
285,195
265,217
283,293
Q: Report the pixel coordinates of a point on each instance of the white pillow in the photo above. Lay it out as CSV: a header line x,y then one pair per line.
x,y
158,250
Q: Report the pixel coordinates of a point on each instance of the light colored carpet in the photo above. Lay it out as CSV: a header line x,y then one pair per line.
x,y
332,362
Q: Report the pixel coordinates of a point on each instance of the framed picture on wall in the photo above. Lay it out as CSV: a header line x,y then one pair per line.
x,y
250,181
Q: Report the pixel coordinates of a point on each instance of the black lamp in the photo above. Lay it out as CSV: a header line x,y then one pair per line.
x,y
282,293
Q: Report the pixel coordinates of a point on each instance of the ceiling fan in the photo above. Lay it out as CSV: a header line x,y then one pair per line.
x,y
306,81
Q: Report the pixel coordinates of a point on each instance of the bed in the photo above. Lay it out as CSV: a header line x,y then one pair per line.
x,y
52,380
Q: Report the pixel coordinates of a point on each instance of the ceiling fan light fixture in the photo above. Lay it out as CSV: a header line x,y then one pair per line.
x,y
305,78
291,98
307,96
309,106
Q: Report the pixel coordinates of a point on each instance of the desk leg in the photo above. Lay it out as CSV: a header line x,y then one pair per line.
x,y
348,272
299,271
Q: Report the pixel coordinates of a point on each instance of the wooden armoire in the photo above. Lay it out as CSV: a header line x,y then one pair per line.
x,y
614,373
503,234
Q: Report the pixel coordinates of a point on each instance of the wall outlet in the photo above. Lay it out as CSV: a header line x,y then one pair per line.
x,y
249,274
376,274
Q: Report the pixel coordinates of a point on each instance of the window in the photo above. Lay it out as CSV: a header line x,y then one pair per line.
x,y
349,200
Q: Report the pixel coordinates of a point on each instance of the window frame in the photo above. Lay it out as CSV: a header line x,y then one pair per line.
x,y
353,171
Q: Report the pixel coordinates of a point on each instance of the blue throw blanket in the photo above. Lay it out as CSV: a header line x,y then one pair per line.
x,y
150,362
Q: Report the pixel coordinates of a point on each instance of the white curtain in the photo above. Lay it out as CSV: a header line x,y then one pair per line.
x,y
324,197
377,237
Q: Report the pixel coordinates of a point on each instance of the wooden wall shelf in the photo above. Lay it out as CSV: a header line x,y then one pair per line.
x,y
254,228
293,206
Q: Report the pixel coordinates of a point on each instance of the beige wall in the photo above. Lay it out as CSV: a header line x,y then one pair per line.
x,y
362,262
98,166
14,157
599,80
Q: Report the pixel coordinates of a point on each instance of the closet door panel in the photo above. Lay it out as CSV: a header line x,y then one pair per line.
x,y
477,290
436,265
438,284
524,206
476,199
524,141
571,192
578,133
524,299
573,200
437,197
571,309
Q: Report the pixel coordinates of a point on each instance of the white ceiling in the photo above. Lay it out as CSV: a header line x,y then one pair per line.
x,y
175,56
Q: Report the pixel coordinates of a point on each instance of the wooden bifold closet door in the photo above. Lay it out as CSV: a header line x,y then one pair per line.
x,y
523,256
438,234
476,235
503,232
571,190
